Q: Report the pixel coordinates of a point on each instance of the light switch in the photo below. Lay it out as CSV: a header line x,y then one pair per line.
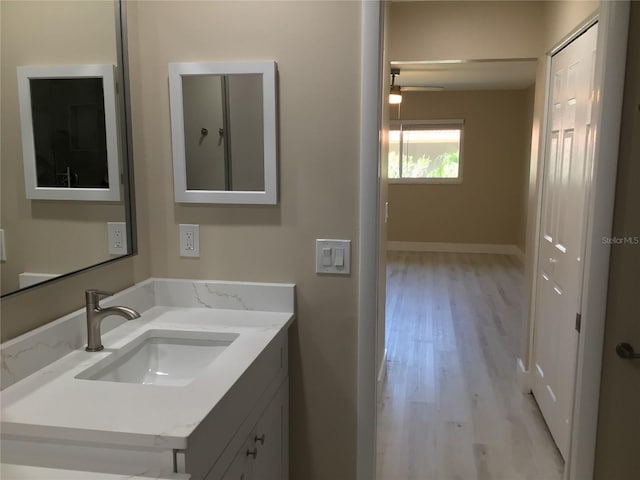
x,y
326,256
333,256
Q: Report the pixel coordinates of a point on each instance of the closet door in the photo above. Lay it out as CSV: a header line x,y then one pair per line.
x,y
567,175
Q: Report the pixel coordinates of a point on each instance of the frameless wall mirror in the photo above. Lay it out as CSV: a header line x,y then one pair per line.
x,y
223,130
69,132
66,198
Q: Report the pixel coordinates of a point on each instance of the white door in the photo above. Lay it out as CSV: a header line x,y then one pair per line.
x,y
567,175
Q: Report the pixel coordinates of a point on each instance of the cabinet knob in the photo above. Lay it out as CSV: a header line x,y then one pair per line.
x,y
259,439
252,453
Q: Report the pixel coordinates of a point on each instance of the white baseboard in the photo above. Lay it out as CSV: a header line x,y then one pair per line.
x,y
523,377
455,248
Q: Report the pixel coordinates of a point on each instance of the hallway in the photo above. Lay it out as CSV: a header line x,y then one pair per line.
x,y
450,408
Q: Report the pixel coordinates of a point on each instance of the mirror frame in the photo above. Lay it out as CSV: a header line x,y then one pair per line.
x,y
32,189
268,70
123,105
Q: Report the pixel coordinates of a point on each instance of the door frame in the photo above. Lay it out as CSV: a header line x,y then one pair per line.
x,y
612,41
371,68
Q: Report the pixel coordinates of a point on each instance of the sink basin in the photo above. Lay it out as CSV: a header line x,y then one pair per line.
x,y
161,357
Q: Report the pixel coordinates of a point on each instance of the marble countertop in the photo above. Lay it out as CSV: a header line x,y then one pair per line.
x,y
52,403
24,472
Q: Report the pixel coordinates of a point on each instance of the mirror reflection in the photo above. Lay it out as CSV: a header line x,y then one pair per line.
x,y
223,129
43,239
224,132
69,132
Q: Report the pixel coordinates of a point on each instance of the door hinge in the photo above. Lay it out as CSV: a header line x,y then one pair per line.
x,y
578,322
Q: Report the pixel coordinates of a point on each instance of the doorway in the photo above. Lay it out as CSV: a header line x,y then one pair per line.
x,y
616,39
451,406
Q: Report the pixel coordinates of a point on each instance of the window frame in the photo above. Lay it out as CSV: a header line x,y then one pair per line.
x,y
448,124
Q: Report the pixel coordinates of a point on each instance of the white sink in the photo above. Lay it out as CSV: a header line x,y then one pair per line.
x,y
161,357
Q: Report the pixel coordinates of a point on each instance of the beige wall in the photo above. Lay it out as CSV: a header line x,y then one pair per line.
x,y
487,206
530,99
562,17
319,149
452,30
618,420
42,236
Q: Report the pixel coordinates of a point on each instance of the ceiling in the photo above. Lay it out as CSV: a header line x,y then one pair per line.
x,y
467,74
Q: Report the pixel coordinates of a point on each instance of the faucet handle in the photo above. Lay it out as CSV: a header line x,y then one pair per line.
x,y
93,296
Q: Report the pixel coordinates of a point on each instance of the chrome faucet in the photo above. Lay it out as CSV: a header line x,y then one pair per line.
x,y
95,315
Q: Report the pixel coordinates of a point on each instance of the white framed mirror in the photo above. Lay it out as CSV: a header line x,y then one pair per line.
x,y
69,132
224,132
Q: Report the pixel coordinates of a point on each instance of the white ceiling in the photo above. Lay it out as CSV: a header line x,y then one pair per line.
x,y
467,75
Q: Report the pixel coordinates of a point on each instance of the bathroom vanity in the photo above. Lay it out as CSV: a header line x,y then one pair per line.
x,y
197,385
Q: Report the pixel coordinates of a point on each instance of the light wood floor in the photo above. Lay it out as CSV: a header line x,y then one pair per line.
x,y
451,408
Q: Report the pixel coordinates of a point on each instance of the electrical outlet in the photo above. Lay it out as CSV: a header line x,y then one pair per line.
x,y
3,252
189,240
117,235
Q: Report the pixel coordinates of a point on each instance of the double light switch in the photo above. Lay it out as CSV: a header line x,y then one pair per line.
x,y
333,256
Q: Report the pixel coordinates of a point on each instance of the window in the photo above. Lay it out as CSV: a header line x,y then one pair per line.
x,y
425,151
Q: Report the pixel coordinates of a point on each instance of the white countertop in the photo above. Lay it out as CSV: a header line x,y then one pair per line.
x,y
24,472
52,403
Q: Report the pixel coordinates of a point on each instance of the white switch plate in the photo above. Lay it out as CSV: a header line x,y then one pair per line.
x,y
189,240
335,246
117,234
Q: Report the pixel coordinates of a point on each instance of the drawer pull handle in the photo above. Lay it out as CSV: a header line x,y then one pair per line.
x,y
252,453
259,439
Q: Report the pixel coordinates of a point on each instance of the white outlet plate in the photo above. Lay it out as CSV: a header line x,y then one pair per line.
x,y
189,240
117,234
3,252
337,248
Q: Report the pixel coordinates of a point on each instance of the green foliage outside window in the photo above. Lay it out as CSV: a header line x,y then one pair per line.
x,y
445,165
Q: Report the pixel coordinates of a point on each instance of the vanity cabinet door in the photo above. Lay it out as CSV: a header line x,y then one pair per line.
x,y
264,454
242,466
271,434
